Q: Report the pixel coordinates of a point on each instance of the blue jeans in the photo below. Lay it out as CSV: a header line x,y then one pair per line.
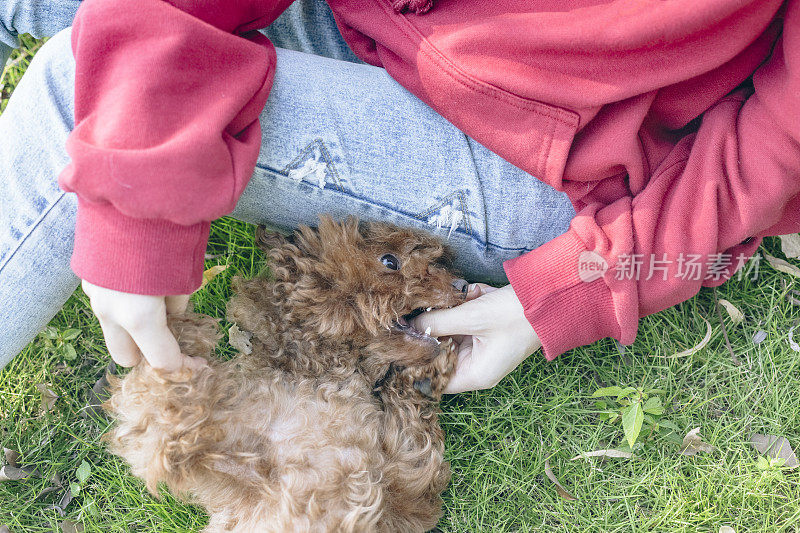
x,y
339,137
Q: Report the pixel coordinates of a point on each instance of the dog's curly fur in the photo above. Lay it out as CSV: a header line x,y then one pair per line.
x,y
330,424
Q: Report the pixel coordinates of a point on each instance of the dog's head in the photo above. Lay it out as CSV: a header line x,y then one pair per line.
x,y
357,283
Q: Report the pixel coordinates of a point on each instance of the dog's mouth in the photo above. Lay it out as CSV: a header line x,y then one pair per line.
x,y
404,325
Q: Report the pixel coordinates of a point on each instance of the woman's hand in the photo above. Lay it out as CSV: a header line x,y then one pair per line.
x,y
135,325
491,333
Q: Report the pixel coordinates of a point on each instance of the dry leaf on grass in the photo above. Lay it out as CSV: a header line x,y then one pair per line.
x,y
564,493
55,484
726,529
5,529
98,394
699,346
240,339
48,396
693,444
775,447
617,454
790,245
210,274
63,502
782,266
12,456
793,343
736,317
733,311
759,336
13,473
792,299
68,526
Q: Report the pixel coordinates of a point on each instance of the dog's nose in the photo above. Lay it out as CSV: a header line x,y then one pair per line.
x,y
461,285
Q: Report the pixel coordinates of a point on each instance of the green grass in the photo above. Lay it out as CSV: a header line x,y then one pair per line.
x,y
19,61
498,440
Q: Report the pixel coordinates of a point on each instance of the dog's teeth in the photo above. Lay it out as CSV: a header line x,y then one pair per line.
x,y
429,308
428,331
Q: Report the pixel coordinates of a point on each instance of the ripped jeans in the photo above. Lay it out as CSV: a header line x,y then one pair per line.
x,y
339,137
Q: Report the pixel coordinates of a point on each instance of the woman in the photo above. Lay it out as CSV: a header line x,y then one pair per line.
x,y
672,128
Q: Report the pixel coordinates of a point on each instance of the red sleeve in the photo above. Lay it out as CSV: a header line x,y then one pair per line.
x,y
167,99
736,179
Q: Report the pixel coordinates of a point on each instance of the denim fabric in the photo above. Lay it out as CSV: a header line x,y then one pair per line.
x,y
40,18
339,137
308,26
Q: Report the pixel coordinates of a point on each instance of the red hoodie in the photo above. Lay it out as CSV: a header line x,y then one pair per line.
x,y
673,126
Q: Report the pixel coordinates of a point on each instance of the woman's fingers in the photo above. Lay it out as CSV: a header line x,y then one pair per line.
x,y
158,345
465,319
120,345
135,326
480,366
454,321
458,339
476,368
476,290
462,377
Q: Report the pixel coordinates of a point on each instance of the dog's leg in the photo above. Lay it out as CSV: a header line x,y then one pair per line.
x,y
176,428
150,408
413,442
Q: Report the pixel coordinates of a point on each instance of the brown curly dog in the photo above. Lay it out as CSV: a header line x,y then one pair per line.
x,y
330,423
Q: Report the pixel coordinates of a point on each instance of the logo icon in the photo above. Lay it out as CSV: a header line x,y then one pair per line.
x,y
591,266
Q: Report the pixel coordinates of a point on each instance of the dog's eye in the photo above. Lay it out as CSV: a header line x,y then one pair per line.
x,y
390,261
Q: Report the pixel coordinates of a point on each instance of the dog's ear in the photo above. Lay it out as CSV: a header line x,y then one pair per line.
x,y
266,239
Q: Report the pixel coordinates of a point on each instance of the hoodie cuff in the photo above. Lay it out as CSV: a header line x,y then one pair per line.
x,y
564,310
136,255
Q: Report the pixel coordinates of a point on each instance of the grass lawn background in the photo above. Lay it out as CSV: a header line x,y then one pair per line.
x,y
497,441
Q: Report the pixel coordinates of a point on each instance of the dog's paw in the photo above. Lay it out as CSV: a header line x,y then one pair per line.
x,y
415,6
431,379
424,386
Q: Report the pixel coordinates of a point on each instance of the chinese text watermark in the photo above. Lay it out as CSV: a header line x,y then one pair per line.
x,y
687,267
